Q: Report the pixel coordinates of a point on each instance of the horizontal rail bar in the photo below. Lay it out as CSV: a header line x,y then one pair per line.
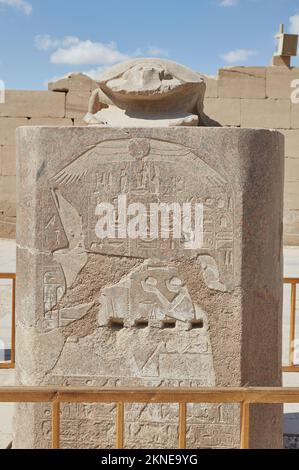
x,y
291,280
7,276
6,365
148,395
293,368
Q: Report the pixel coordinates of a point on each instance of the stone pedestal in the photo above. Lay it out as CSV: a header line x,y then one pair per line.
x,y
199,309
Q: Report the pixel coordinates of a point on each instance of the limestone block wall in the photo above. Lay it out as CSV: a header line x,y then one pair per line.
x,y
63,105
261,97
239,96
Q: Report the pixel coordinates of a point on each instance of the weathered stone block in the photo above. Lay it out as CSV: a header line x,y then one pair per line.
x,y
267,114
8,161
278,82
8,229
50,122
8,194
211,86
77,104
292,171
73,82
242,82
291,142
80,122
8,128
295,115
291,195
33,104
291,227
281,61
7,206
149,311
225,111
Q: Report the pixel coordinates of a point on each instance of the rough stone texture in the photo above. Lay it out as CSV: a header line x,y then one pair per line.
x,y
242,82
7,161
211,86
140,313
279,81
291,226
273,114
291,143
73,82
8,128
33,104
295,115
148,92
223,111
7,206
77,103
50,122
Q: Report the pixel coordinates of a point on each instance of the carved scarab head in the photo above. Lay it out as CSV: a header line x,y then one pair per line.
x,y
150,77
148,90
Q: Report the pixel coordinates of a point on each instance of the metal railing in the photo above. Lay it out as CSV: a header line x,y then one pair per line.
x,y
291,366
11,363
243,396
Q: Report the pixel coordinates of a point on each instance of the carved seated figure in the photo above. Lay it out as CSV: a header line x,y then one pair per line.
x,y
148,92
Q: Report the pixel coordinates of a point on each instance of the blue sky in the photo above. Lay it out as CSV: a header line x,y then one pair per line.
x,y
43,39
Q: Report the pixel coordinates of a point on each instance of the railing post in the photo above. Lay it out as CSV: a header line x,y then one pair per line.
x,y
55,424
13,324
182,425
245,422
292,323
120,425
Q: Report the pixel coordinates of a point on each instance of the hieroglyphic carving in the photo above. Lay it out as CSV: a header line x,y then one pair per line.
x,y
154,292
153,296
54,287
73,258
208,425
146,171
57,318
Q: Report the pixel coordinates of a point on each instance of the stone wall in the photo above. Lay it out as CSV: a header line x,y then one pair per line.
x,y
241,96
63,105
261,97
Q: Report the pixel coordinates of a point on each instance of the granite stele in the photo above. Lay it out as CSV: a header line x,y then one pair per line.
x,y
149,255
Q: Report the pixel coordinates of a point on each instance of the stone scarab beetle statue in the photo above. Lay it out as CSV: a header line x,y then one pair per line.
x,y
148,92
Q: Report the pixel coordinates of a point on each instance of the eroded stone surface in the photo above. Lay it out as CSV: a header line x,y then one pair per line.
x,y
139,312
148,92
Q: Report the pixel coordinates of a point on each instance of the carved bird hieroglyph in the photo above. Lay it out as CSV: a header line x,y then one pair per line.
x,y
74,257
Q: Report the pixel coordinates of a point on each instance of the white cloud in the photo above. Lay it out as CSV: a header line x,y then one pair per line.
x,y
157,52
71,50
238,55
45,42
22,5
87,52
95,73
294,24
228,3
